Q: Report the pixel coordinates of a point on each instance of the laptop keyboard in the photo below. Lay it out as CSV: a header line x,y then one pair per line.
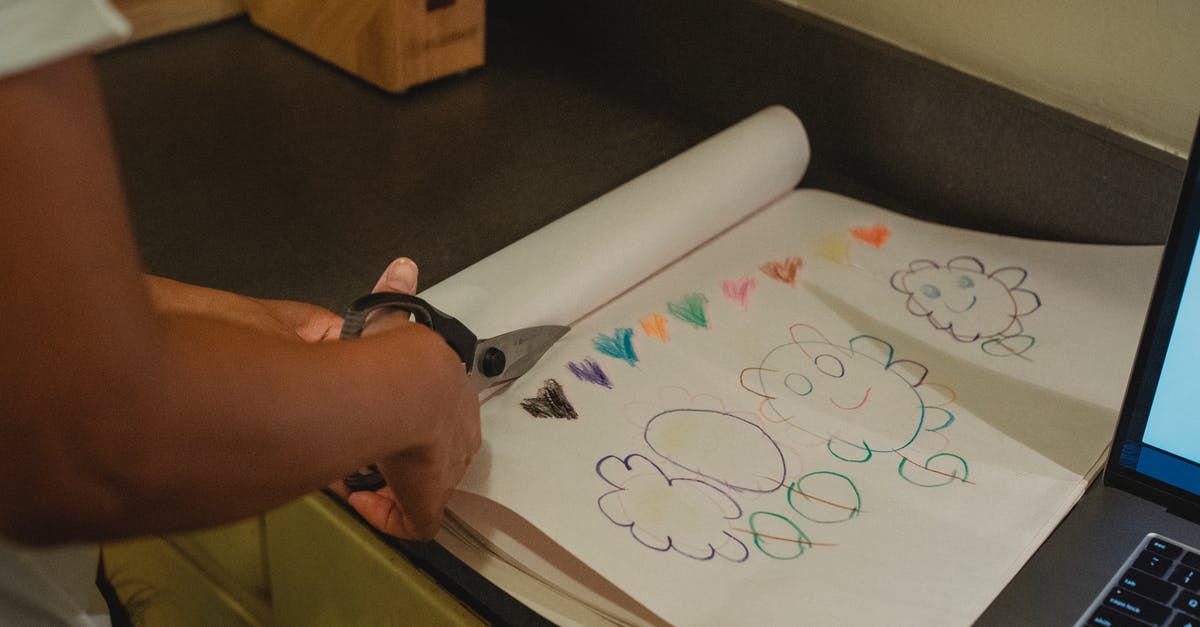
x,y
1158,585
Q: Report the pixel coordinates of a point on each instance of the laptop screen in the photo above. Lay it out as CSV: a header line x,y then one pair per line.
x,y
1172,436
1157,442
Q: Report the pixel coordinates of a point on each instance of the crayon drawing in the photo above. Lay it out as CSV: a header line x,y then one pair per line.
x,y
619,345
690,309
713,483
738,290
783,271
655,325
969,303
875,236
663,513
856,401
550,402
591,372
720,447
685,494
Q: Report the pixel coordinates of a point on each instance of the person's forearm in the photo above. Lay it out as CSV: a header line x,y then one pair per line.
x,y
118,418
288,319
231,422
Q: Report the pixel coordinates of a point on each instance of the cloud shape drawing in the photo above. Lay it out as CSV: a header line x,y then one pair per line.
x,y
688,516
722,447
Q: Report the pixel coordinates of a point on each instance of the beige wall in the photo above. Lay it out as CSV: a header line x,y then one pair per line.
x,y
1130,65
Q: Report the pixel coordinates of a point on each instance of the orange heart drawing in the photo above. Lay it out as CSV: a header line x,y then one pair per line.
x,y
655,325
876,235
784,271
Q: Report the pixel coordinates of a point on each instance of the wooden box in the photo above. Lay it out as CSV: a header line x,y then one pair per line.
x,y
394,44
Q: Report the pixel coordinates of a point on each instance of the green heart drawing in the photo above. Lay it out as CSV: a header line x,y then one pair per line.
x,y
690,310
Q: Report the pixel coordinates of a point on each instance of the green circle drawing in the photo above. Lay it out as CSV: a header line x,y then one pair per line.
x,y
865,448
940,477
1008,346
826,508
777,545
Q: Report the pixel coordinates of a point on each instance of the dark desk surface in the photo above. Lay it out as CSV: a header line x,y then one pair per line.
x,y
253,167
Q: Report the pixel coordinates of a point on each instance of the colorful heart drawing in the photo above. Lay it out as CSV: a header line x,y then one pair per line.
x,y
835,248
783,271
738,290
550,402
876,235
655,325
690,310
590,371
619,345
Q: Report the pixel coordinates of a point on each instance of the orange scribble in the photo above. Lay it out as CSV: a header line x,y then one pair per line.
x,y
784,271
803,541
655,325
876,235
818,499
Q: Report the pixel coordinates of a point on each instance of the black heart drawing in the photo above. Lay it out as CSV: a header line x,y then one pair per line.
x,y
550,402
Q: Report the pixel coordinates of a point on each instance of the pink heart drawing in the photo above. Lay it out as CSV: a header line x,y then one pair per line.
x,y
738,290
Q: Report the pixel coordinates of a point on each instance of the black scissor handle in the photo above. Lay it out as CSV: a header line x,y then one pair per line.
x,y
361,480
461,340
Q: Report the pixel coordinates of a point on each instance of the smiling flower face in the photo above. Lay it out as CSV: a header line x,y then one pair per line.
x,y
857,398
964,300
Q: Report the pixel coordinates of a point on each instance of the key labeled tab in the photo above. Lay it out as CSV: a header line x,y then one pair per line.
x,y
1147,585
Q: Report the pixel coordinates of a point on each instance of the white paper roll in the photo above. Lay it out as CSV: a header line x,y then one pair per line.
x,y
575,264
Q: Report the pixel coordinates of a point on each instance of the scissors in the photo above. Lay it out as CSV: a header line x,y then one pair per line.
x,y
489,362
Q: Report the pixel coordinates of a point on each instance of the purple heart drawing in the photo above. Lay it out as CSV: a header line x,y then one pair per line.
x,y
590,371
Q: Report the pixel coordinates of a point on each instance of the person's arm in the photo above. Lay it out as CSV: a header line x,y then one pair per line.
x,y
117,420
287,319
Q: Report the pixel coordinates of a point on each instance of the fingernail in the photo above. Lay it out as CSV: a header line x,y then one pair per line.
x,y
400,276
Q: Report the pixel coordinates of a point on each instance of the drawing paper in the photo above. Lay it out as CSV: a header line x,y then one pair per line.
x,y
1055,315
780,426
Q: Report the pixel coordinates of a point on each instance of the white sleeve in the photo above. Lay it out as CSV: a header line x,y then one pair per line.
x,y
35,32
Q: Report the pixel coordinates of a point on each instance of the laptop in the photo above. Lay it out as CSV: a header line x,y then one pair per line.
x,y
1140,525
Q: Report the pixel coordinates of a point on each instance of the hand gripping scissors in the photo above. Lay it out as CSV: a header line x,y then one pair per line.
x,y
489,362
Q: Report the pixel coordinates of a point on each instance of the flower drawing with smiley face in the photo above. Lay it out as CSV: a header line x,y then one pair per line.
x,y
856,399
965,300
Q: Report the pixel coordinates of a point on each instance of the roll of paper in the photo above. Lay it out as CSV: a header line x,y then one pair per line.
x,y
570,267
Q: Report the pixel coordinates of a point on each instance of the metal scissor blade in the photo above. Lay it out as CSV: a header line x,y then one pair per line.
x,y
510,355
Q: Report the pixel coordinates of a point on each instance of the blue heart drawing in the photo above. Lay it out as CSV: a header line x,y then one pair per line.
x,y
619,345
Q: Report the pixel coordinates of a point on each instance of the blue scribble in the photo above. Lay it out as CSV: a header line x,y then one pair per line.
x,y
619,345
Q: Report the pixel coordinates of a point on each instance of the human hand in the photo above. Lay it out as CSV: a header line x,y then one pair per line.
x,y
421,478
284,318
